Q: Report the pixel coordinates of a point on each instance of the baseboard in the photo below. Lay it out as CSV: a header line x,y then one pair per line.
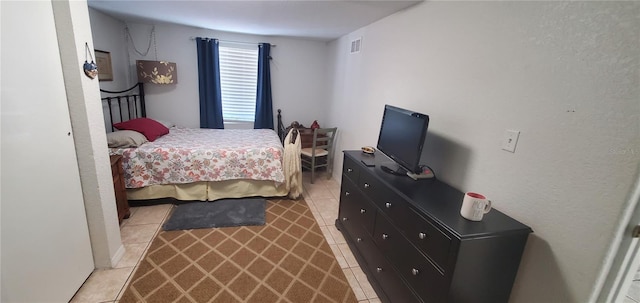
x,y
117,256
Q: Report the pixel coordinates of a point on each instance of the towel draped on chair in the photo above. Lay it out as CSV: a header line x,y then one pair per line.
x,y
292,164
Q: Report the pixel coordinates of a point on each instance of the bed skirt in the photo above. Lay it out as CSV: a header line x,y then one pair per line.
x,y
209,190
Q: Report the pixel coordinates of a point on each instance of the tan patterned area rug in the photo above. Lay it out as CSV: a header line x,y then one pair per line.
x,y
286,260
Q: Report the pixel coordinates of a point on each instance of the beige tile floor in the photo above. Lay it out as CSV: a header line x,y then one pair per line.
x,y
138,231
633,296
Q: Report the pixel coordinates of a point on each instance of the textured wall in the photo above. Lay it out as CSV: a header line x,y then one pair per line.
x,y
564,74
298,72
89,134
108,35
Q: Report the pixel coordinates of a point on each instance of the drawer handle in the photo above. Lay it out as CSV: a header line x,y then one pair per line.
x,y
385,236
349,170
414,271
387,205
379,269
362,210
422,236
346,193
366,185
359,240
344,219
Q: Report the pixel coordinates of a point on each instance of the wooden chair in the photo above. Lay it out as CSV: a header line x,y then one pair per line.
x,y
321,149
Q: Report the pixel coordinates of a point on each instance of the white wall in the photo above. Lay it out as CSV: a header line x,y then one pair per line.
x,y
564,74
83,97
298,69
108,35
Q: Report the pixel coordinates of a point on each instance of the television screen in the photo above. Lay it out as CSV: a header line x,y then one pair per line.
x,y
401,138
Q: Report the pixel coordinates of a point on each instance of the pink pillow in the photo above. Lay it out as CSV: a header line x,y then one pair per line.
x,y
150,128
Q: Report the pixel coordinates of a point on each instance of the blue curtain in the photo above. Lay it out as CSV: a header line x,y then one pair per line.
x,y
209,82
264,107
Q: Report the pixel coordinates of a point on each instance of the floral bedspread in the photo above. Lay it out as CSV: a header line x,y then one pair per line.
x,y
188,155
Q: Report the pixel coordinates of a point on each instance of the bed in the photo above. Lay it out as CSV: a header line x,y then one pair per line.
x,y
192,164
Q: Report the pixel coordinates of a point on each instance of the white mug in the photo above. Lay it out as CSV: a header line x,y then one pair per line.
x,y
474,206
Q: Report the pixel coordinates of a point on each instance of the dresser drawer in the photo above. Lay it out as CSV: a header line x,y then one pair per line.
x,y
417,229
351,169
370,186
387,237
423,276
425,279
425,236
366,247
355,212
391,204
389,280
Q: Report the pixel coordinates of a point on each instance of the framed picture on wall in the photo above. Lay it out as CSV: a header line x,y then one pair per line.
x,y
103,60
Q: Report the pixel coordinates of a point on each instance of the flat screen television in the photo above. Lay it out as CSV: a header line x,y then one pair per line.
x,y
401,138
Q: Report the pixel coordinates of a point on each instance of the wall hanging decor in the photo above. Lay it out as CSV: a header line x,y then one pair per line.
x,y
103,59
153,71
90,69
157,72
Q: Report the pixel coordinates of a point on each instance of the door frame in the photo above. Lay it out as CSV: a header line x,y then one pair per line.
x,y
623,259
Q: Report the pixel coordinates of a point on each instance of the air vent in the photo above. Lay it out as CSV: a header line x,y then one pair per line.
x,y
356,45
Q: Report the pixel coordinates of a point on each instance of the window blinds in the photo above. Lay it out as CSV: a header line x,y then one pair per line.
x,y
239,81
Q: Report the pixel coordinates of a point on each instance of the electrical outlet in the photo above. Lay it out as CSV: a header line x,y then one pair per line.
x,y
510,140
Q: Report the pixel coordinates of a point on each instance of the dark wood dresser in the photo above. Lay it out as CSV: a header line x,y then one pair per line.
x,y
118,186
410,240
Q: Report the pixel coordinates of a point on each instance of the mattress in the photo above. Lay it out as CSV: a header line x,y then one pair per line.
x,y
187,155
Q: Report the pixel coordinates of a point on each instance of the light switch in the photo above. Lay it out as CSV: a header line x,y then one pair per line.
x,y
510,140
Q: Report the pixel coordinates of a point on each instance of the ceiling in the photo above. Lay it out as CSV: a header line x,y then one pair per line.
x,y
319,20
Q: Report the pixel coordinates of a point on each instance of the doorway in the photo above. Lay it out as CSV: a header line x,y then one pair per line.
x,y
622,264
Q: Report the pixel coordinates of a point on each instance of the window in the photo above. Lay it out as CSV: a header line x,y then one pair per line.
x,y
239,82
